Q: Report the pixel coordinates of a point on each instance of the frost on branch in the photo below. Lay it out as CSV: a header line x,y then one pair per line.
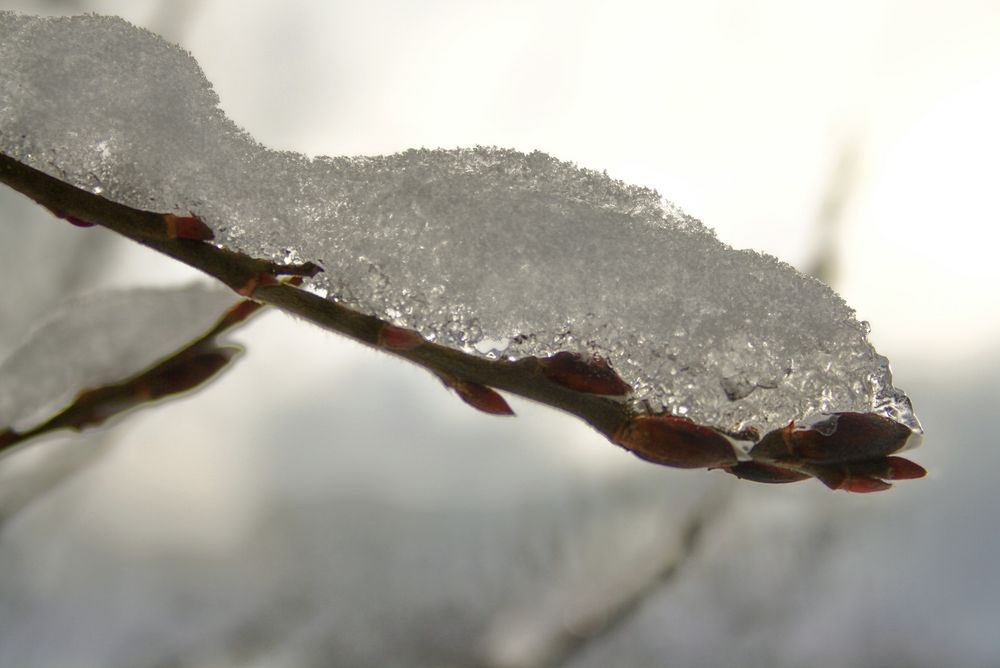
x,y
489,251
87,353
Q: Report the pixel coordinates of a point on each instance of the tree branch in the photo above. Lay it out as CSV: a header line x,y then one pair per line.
x,y
847,451
524,377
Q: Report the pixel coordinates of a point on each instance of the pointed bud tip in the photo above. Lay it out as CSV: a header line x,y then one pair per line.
x,y
593,375
480,397
904,469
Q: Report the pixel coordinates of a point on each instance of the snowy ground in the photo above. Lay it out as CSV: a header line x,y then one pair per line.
x,y
324,505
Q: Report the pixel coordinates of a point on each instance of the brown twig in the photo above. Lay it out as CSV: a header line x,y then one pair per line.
x,y
190,366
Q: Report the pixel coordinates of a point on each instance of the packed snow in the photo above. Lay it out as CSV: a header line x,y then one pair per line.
x,y
101,339
492,251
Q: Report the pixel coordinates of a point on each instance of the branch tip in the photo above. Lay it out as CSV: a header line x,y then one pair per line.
x,y
903,469
838,437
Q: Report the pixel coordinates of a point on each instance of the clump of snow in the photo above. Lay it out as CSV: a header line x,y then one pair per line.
x,y
100,339
488,250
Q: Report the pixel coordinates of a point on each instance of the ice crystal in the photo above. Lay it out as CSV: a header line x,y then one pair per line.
x,y
493,251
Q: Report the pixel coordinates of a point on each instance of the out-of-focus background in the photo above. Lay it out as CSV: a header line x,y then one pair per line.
x,y
322,505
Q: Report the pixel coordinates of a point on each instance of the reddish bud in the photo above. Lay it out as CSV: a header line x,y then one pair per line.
x,y
73,220
7,436
904,469
864,485
852,477
187,227
774,446
840,437
480,397
398,338
179,374
887,468
767,473
593,375
675,441
859,484
186,372
94,407
260,279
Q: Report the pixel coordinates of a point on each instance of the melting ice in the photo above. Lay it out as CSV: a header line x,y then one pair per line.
x,y
484,249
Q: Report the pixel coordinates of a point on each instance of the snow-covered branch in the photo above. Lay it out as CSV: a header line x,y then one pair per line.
x,y
494,269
